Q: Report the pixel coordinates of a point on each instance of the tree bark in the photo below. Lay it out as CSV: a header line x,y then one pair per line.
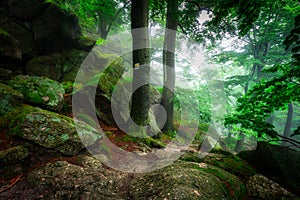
x,y
141,59
169,63
288,124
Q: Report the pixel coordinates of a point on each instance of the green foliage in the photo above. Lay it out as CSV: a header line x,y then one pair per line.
x,y
192,99
96,16
274,94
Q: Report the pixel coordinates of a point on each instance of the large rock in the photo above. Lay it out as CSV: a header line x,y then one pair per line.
x,y
85,179
57,66
261,187
55,30
20,32
278,163
51,130
9,99
40,91
10,47
13,155
26,10
187,181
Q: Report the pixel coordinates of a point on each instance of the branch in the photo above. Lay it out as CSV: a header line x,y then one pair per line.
x,y
288,139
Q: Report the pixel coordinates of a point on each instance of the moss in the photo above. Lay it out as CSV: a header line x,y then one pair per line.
x,y
3,32
39,90
232,164
235,188
13,155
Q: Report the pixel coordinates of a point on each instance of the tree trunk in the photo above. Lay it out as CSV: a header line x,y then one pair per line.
x,y
169,63
240,143
141,59
288,124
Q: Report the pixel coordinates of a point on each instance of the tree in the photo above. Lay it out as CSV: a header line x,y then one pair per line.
x,y
169,62
288,124
274,94
96,16
141,59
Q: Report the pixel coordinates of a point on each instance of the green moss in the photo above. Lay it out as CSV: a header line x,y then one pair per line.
x,y
3,32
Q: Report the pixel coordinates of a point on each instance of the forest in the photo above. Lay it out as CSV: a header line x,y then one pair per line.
x,y
150,99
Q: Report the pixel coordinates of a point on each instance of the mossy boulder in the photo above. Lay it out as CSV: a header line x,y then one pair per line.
x,y
50,130
84,179
57,66
13,155
231,163
260,187
279,163
112,73
187,181
9,99
49,66
39,91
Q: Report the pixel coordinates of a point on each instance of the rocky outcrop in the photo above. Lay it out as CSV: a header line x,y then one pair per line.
x,y
9,99
277,163
34,28
84,179
39,91
261,187
50,130
187,181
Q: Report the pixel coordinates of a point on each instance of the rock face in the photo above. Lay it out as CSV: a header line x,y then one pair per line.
x,y
33,28
261,187
187,181
10,47
40,91
51,130
9,99
276,162
55,30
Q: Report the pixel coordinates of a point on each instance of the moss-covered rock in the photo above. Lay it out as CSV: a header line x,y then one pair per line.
x,y
187,181
51,130
39,91
232,164
260,187
57,66
13,155
111,74
9,99
83,180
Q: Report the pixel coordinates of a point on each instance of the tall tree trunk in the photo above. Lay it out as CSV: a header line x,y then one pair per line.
x,y
169,62
141,59
288,124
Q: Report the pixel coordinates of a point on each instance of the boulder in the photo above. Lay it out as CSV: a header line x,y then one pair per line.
x,y
39,91
49,66
55,30
9,99
26,10
10,47
51,130
278,163
187,181
261,187
57,66
85,179
13,155
20,32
